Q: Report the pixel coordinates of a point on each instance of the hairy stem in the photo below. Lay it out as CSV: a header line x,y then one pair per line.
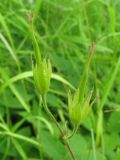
x,y
58,126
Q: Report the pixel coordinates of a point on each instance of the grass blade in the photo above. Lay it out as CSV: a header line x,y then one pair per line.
x,y
109,83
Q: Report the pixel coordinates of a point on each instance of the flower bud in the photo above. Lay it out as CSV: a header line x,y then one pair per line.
x,y
42,75
78,112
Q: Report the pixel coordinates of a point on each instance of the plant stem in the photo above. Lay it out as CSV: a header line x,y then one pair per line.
x,y
72,134
57,124
38,130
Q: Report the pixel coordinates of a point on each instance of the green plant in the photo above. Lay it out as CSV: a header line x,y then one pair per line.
x,y
79,107
64,30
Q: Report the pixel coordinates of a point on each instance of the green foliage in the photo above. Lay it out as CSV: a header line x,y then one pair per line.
x,y
64,30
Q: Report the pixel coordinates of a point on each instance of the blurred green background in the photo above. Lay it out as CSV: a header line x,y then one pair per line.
x,y
65,30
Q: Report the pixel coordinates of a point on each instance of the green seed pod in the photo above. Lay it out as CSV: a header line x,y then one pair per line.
x,y
42,75
74,110
78,112
79,105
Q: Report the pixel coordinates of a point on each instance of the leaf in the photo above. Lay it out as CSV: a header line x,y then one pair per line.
x,y
19,149
53,148
9,49
27,74
109,84
114,122
15,91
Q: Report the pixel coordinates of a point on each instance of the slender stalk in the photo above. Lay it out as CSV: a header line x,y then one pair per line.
x,y
38,131
93,144
73,133
57,124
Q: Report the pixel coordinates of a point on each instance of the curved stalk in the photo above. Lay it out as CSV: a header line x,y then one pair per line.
x,y
58,126
73,133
